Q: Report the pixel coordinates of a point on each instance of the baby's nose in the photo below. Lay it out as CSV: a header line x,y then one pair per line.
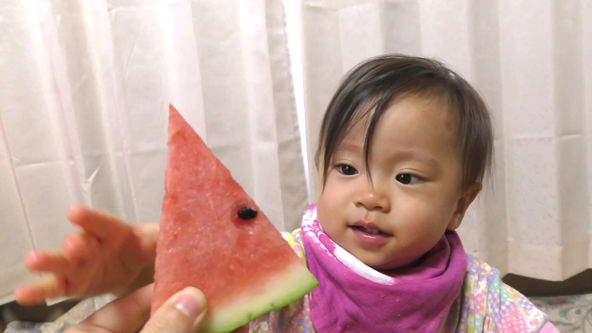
x,y
372,198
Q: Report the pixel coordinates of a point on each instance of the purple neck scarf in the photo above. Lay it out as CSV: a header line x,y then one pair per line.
x,y
353,297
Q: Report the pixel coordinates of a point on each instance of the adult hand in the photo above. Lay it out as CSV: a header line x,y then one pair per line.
x,y
182,313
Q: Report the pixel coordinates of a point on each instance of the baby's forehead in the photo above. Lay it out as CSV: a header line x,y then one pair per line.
x,y
439,105
363,127
435,103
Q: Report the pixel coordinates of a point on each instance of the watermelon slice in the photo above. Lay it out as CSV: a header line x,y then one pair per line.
x,y
214,237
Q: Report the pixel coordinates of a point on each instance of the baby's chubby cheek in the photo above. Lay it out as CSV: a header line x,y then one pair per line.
x,y
327,220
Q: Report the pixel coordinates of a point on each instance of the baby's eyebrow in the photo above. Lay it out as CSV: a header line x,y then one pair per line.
x,y
418,155
349,146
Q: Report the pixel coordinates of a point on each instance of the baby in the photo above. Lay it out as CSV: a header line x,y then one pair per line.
x,y
404,147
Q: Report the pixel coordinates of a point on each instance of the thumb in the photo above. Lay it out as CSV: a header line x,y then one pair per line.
x,y
182,313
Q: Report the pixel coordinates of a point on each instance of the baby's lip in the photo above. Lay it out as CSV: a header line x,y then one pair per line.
x,y
369,227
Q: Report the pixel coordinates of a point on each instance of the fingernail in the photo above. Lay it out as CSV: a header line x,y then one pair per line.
x,y
190,303
32,257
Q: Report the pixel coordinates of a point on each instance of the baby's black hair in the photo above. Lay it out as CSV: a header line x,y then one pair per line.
x,y
370,87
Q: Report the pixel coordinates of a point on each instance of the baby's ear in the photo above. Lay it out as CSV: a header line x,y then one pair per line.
x,y
464,201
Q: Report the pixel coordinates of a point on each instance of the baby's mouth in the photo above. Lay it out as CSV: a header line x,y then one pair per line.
x,y
369,228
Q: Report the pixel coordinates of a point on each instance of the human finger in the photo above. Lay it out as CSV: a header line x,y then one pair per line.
x,y
47,287
182,313
126,314
42,261
100,224
80,246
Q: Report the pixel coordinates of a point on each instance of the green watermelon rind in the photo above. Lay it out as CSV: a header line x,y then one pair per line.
x,y
281,290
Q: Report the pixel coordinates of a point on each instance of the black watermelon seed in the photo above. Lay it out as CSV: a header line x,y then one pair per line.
x,y
247,213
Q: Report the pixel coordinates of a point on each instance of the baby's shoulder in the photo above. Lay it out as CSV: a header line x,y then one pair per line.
x,y
488,304
480,274
294,238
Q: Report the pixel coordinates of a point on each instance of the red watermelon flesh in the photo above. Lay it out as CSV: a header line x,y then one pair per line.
x,y
244,266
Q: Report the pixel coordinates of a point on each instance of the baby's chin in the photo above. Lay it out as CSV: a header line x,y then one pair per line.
x,y
372,257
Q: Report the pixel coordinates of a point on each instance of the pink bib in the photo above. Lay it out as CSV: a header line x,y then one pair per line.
x,y
353,297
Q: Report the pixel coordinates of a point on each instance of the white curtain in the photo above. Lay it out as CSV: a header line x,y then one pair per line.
x,y
84,94
532,62
85,85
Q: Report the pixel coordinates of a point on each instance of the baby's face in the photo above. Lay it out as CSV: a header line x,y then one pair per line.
x,y
391,219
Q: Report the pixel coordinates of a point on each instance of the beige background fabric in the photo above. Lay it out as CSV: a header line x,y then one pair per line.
x,y
85,88
532,62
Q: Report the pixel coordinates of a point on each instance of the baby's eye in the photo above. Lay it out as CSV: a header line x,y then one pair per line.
x,y
407,178
346,169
